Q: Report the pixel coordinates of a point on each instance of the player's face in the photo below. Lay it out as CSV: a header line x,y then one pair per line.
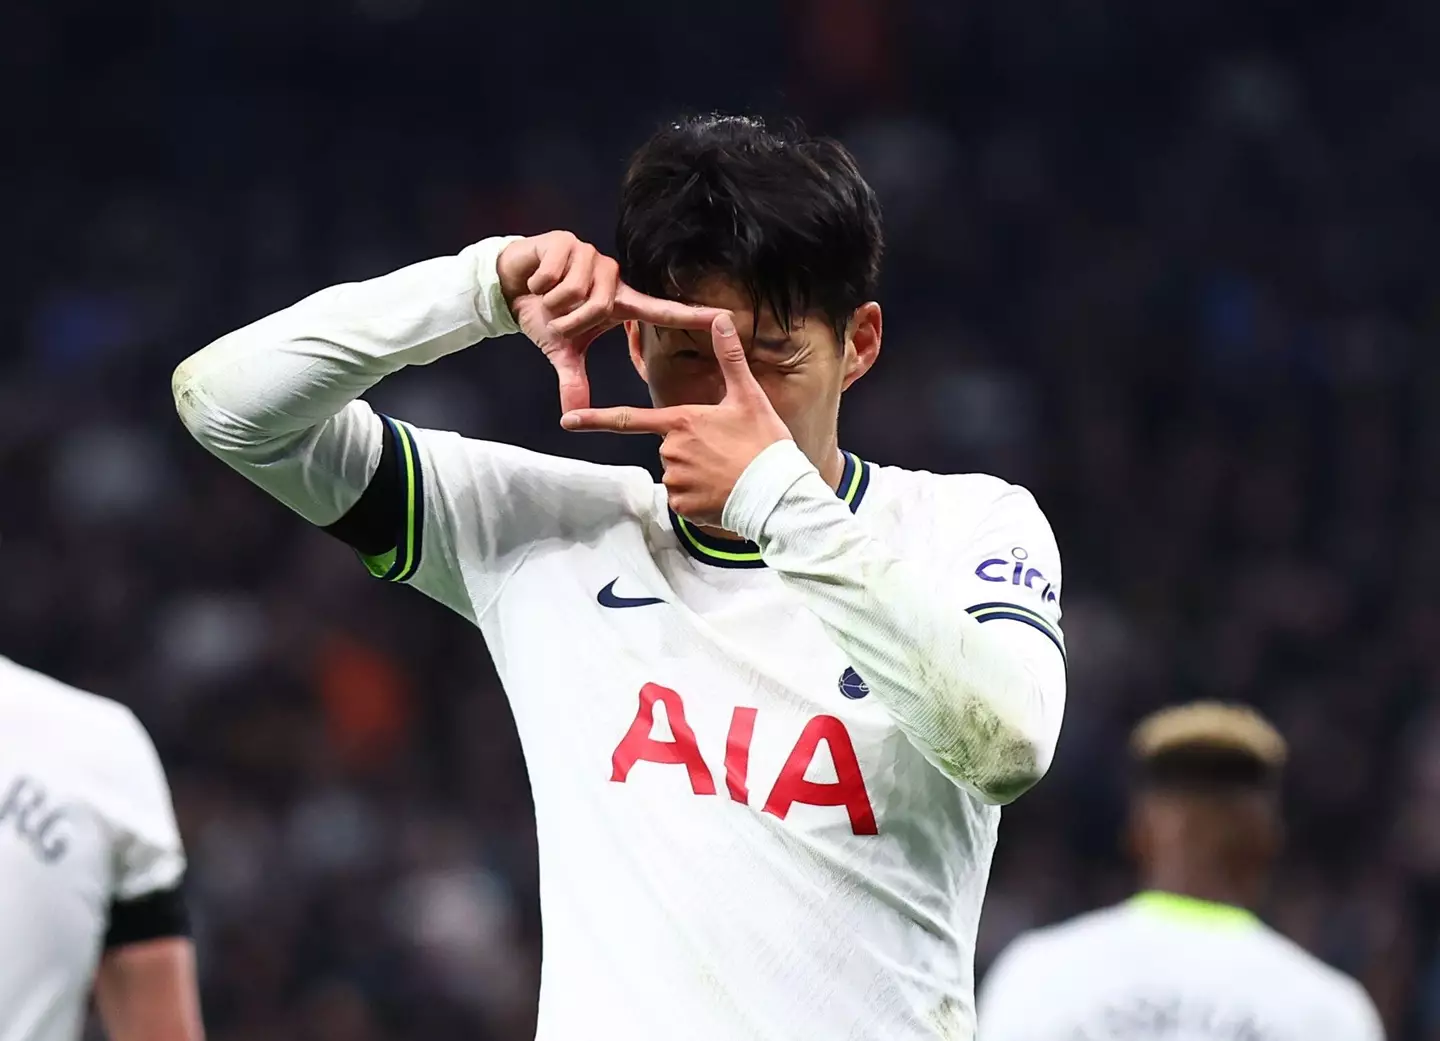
x,y
803,369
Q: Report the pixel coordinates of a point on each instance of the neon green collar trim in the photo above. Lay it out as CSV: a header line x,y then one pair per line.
x,y
709,549
1192,909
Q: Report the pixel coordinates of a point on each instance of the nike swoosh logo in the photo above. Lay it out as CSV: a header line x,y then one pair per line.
x,y
607,598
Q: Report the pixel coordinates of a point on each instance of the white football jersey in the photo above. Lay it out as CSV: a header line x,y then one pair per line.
x,y
1162,967
87,837
737,840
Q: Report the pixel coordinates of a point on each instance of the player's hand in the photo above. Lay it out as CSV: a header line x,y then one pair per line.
x,y
564,293
706,447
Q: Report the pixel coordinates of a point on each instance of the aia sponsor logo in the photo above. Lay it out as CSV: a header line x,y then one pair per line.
x,y
791,786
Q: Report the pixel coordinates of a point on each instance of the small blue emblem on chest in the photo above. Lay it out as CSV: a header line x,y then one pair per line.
x,y
852,686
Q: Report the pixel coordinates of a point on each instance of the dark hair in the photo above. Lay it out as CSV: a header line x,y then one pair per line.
x,y
1201,770
785,215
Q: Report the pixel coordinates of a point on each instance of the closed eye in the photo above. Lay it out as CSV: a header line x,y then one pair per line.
x,y
782,353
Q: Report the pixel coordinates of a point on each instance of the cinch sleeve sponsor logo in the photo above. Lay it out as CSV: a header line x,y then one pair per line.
x,y
1015,570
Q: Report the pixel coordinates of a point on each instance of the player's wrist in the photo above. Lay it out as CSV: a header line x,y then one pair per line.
x,y
761,486
515,262
493,273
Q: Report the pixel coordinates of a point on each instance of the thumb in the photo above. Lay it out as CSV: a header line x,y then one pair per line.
x,y
730,353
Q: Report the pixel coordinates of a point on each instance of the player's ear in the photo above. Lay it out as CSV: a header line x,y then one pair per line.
x,y
635,338
862,342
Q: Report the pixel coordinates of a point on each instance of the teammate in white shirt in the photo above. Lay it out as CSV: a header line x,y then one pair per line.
x,y
90,872
1184,960
769,707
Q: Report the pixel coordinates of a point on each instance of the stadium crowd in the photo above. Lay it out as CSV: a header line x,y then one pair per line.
x,y
1173,267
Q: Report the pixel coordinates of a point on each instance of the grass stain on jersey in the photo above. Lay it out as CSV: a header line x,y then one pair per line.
x,y
950,1021
984,750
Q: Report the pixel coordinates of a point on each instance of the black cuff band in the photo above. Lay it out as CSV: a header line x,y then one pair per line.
x,y
154,916
370,525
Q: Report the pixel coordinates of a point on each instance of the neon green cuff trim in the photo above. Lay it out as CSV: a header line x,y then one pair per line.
x,y
380,565
1193,910
410,460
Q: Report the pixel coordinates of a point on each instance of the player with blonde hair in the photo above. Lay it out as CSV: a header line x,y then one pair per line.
x,y
1186,958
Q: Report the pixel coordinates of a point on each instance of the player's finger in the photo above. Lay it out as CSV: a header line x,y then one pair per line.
x,y
669,314
730,353
553,263
574,289
596,310
574,380
623,419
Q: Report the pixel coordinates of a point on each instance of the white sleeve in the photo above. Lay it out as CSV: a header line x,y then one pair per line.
x,y
1008,568
1005,999
1356,1018
148,854
983,702
277,400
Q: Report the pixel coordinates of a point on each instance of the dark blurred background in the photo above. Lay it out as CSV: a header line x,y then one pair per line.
x,y
1171,265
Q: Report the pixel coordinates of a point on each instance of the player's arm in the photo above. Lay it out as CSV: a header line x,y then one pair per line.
x,y
146,991
145,987
973,673
279,399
